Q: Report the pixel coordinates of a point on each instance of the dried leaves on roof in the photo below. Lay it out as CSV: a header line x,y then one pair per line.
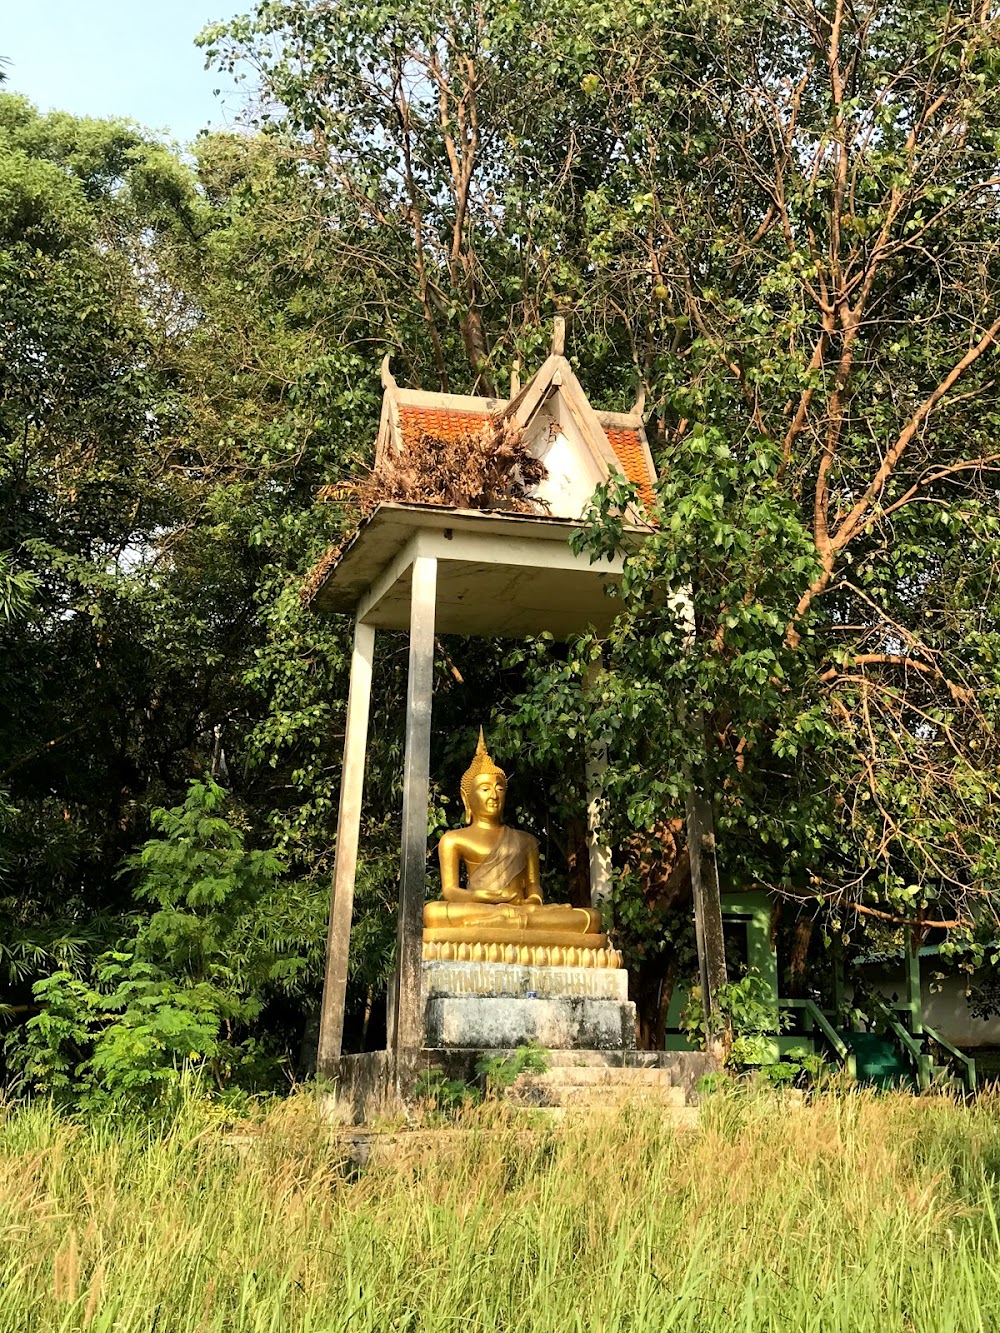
x,y
485,468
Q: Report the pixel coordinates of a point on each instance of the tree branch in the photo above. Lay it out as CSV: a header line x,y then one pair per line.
x,y
909,921
854,519
957,692
973,464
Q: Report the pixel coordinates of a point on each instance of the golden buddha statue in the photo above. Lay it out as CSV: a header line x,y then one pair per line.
x,y
500,916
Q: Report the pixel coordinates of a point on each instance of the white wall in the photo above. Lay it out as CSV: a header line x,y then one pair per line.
x,y
945,1009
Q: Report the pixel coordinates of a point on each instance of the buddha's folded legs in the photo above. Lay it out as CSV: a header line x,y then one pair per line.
x,y
560,916
441,914
549,917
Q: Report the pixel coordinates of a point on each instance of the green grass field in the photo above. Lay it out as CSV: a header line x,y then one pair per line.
x,y
852,1212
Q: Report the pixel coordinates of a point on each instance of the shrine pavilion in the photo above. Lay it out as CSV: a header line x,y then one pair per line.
x,y
432,569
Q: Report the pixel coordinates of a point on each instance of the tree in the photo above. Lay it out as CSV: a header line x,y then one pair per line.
x,y
780,221
451,147
197,972
81,488
148,487
187,364
818,301
784,218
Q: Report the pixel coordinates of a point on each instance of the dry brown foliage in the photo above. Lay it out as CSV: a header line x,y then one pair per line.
x,y
490,468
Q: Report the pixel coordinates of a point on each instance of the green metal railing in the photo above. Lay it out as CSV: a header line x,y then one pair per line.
x,y
966,1060
909,1043
815,1015
921,1060
903,1019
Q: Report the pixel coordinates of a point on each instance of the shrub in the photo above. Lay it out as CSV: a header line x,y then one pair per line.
x,y
171,996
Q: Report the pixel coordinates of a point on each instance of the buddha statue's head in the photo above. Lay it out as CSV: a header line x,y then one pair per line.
x,y
484,787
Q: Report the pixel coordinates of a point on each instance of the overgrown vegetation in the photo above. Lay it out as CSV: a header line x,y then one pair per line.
x,y
186,989
853,1213
494,1075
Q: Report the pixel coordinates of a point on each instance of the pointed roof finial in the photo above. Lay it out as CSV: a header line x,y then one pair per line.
x,y
387,378
640,401
558,336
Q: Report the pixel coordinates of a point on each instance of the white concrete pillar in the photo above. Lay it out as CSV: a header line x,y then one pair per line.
x,y
352,781
599,851
408,1024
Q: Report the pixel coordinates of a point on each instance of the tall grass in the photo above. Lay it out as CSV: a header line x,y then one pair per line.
x,y
853,1212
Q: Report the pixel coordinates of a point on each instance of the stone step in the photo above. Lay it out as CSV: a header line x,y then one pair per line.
x,y
682,1069
676,1114
604,1088
601,1075
604,1059
676,1060
368,1085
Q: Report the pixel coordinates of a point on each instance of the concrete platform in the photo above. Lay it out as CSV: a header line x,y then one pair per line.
x,y
369,1085
492,1006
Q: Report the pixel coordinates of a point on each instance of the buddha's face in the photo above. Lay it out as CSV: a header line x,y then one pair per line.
x,y
487,797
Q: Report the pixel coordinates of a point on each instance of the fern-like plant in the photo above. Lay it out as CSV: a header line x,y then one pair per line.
x,y
173,994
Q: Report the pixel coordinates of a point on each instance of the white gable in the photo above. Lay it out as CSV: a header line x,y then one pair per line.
x,y
572,471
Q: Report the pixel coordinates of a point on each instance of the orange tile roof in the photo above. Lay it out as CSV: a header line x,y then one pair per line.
x,y
450,423
627,445
443,423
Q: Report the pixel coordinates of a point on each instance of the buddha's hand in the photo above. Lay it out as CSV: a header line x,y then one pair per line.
x,y
498,895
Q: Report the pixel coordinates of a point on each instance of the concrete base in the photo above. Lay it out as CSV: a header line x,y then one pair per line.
x,y
685,1069
582,1016
558,1022
491,1006
515,980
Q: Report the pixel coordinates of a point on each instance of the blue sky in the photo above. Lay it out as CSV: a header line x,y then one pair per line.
x,y
133,58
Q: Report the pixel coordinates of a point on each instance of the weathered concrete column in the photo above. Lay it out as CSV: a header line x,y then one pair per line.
x,y
352,781
408,1012
599,851
914,995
